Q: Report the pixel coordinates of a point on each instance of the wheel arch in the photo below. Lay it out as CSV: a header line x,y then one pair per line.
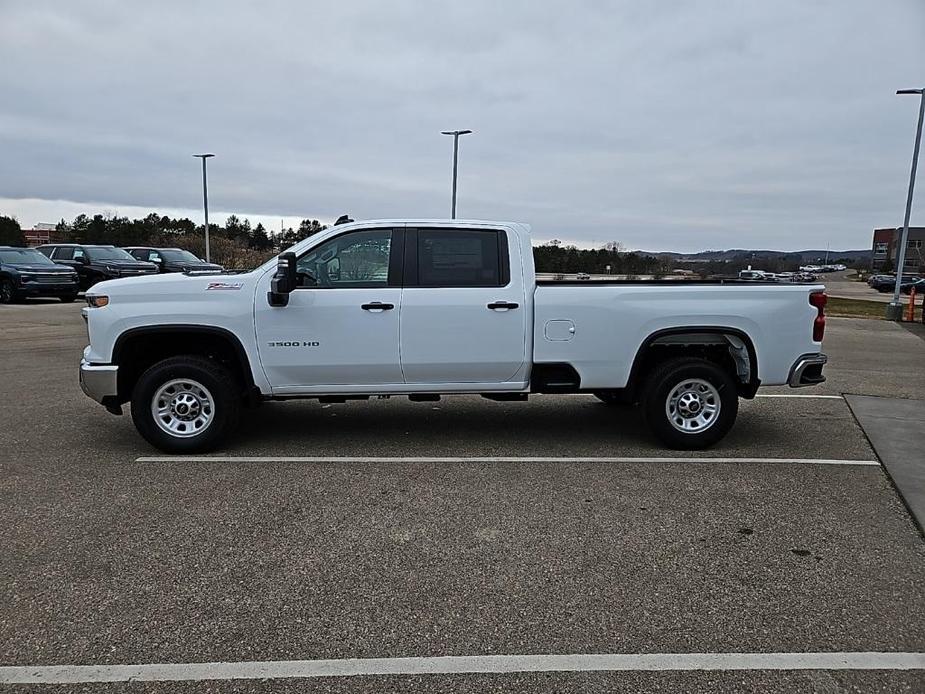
x,y
736,343
136,349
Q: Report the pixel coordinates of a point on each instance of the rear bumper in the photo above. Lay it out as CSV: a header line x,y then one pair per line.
x,y
807,370
99,382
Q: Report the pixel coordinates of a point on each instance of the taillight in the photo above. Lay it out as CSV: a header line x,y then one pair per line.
x,y
818,299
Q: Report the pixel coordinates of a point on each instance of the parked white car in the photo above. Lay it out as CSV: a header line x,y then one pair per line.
x,y
427,308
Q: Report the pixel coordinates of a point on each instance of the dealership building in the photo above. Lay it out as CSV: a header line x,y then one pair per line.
x,y
886,244
42,233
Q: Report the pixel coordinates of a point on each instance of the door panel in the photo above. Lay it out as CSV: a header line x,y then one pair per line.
x,y
449,334
325,337
341,328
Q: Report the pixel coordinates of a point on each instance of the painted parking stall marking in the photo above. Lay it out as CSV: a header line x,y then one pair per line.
x,y
455,665
794,396
492,459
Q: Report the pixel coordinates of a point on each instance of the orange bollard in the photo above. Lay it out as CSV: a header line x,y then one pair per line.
x,y
910,312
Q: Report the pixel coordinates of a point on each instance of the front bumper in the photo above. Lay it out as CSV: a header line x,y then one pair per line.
x,y
34,289
807,370
99,382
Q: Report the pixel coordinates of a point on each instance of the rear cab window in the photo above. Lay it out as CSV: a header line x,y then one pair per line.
x,y
458,258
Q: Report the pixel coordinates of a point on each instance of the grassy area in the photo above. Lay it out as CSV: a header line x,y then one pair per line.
x,y
857,308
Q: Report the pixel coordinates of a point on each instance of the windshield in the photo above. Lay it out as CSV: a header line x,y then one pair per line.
x,y
103,253
178,255
15,256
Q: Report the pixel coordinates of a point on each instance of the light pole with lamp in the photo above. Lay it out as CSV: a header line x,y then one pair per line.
x,y
205,199
455,134
894,309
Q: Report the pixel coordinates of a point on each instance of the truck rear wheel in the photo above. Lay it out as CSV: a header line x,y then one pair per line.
x,y
690,403
186,404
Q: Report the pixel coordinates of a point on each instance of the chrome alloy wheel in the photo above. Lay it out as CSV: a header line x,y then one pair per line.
x,y
183,407
693,405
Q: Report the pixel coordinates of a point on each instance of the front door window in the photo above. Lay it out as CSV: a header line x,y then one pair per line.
x,y
355,260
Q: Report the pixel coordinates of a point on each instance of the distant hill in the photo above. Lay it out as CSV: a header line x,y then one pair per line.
x,y
734,254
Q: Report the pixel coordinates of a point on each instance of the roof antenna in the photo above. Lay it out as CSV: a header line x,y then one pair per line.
x,y
343,219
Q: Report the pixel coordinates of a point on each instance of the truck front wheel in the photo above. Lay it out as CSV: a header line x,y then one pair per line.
x,y
186,404
690,403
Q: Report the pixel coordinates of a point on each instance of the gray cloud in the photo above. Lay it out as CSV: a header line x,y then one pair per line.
x,y
662,125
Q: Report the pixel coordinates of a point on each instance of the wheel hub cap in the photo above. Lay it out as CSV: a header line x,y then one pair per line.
x,y
183,407
693,405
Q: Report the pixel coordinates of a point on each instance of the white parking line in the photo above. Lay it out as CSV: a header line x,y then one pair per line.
x,y
454,665
800,397
493,459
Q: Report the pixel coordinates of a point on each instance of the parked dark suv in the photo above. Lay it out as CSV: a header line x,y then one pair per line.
x,y
25,272
172,259
887,283
97,263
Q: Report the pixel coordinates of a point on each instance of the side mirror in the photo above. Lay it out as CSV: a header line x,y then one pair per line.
x,y
284,281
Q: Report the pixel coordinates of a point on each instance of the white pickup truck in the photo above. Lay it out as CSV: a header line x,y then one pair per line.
x,y
426,308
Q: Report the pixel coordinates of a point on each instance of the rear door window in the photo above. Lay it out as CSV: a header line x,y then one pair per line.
x,y
64,253
461,258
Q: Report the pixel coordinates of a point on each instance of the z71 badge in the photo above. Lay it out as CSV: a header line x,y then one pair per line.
x,y
224,285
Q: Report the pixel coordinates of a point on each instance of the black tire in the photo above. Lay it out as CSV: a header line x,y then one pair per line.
x,y
7,292
218,381
68,299
669,374
609,398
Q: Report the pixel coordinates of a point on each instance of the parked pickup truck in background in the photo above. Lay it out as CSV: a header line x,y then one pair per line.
x,y
427,308
171,259
24,272
96,263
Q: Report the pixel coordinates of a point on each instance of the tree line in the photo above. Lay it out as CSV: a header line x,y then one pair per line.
x,y
612,259
238,244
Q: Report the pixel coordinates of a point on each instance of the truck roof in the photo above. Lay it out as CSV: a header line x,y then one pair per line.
x,y
433,222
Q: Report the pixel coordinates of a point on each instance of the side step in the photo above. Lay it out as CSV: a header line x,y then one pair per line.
x,y
340,399
424,397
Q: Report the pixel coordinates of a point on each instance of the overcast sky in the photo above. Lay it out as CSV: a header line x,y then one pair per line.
x,y
663,125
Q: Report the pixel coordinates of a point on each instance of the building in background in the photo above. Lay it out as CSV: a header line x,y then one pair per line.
x,y
886,244
41,233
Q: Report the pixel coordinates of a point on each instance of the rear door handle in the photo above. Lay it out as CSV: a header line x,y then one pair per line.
x,y
377,306
501,304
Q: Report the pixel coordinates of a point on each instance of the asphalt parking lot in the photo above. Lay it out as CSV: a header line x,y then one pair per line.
x,y
113,558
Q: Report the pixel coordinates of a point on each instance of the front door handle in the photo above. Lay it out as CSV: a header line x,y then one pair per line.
x,y
494,305
377,306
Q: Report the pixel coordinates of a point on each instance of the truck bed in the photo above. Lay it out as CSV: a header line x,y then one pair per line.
x,y
663,282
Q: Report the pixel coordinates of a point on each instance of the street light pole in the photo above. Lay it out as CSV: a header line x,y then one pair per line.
x,y
894,308
205,200
455,134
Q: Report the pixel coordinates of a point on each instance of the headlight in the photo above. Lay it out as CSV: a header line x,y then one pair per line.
x,y
97,300
25,278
